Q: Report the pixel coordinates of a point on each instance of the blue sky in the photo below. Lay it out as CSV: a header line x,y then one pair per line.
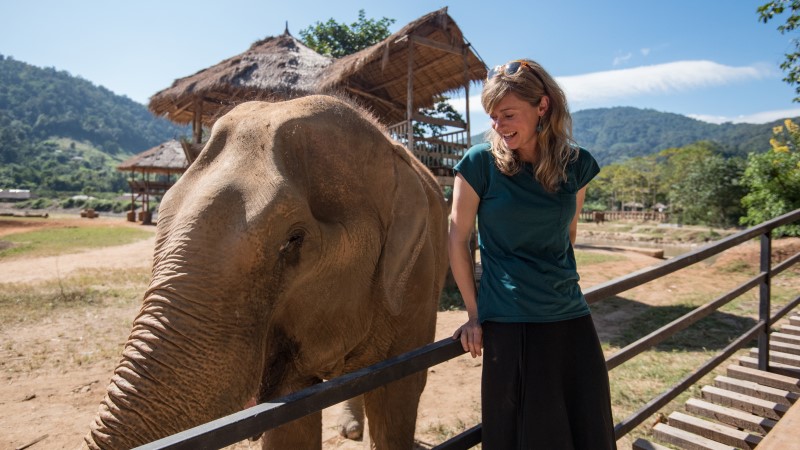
x,y
708,59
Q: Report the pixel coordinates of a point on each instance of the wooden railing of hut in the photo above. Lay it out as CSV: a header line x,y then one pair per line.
x,y
439,153
253,421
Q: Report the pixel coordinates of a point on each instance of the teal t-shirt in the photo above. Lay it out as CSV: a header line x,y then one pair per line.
x,y
529,270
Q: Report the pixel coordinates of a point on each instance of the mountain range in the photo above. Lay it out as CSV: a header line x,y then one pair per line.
x,y
59,132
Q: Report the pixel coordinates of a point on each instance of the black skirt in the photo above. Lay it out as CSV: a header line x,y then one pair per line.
x,y
545,386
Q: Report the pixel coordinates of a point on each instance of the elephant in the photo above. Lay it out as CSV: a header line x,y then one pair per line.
x,y
302,244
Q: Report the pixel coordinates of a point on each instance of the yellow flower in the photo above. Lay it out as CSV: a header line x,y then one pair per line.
x,y
791,126
778,146
778,129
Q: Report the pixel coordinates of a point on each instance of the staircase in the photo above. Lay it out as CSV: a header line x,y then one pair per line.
x,y
743,406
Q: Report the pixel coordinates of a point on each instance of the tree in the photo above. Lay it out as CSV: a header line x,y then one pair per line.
x,y
710,192
337,39
773,180
767,12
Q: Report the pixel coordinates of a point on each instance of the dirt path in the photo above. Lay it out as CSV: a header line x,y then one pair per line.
x,y
137,254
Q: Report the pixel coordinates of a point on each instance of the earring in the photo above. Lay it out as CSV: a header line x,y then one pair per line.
x,y
539,126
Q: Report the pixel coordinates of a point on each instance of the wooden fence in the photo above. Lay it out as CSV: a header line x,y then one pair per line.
x,y
639,216
242,425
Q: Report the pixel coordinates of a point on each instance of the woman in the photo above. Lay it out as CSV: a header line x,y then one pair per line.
x,y
544,383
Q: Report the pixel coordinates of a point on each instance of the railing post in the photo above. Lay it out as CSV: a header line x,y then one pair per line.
x,y
764,301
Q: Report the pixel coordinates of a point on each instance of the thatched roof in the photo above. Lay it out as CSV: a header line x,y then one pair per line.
x,y
277,68
378,75
282,67
164,158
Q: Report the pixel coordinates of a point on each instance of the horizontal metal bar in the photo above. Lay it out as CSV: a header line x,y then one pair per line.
x,y
681,323
631,422
463,441
785,264
785,310
252,421
630,281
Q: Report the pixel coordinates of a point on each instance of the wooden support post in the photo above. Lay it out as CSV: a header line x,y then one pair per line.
x,y
197,121
764,301
466,95
410,95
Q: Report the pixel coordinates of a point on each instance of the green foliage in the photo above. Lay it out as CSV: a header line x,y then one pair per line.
x,y
62,133
773,180
767,12
705,187
700,184
338,39
616,134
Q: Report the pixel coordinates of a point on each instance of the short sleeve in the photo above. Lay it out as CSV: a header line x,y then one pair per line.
x,y
587,168
474,167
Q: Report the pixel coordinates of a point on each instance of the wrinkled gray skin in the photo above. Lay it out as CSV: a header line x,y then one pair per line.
x,y
301,245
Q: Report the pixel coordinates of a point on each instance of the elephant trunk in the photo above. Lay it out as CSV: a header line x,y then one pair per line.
x,y
168,381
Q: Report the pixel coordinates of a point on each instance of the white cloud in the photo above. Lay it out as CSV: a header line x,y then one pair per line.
x,y
614,87
645,51
666,78
760,117
621,59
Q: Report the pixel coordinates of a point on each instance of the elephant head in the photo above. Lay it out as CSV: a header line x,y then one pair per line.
x,y
301,244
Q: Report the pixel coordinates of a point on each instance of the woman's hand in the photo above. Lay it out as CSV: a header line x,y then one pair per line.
x,y
471,336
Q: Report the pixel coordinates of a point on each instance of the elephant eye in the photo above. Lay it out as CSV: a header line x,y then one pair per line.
x,y
294,242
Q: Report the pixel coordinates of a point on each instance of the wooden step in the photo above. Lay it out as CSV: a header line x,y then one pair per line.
x,y
783,337
714,431
794,320
756,390
774,367
779,357
757,406
643,444
685,439
784,347
791,329
775,380
730,416
761,377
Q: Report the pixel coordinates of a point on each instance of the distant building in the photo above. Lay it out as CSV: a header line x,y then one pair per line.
x,y
14,195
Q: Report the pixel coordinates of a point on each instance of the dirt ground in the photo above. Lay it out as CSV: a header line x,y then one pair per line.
x,y
47,401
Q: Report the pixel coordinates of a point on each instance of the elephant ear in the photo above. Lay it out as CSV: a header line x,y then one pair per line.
x,y
406,229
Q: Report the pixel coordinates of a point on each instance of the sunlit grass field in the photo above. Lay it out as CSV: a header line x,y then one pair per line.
x,y
54,241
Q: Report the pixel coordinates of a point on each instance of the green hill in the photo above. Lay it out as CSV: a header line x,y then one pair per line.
x,y
616,134
60,133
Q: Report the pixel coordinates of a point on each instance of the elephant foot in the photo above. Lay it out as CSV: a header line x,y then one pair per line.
x,y
352,429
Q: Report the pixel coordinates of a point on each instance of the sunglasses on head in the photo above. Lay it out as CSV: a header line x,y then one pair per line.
x,y
513,67
509,69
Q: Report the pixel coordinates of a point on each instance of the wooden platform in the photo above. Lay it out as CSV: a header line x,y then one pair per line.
x,y
745,409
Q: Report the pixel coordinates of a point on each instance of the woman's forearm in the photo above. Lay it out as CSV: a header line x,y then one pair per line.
x,y
461,265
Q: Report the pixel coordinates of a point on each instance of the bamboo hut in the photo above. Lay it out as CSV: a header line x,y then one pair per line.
x,y
151,174
395,78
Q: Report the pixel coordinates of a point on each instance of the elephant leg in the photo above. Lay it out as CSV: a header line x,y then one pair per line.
x,y
351,420
303,433
392,412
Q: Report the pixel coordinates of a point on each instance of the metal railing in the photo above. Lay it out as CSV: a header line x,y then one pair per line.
x,y
242,425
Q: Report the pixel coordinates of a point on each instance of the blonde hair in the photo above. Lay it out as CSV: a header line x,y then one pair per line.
x,y
556,147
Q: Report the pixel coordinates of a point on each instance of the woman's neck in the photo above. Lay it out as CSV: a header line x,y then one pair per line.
x,y
528,155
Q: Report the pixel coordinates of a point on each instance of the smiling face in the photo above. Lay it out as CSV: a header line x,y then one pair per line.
x,y
515,120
